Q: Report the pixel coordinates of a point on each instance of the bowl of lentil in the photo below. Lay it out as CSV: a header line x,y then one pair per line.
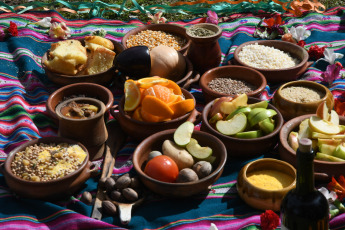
x,y
231,80
298,98
157,34
240,147
48,168
263,183
278,61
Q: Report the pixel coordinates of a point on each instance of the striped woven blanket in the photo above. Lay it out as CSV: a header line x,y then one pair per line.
x,y
24,89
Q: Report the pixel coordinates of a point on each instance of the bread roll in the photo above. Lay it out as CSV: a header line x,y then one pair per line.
x,y
100,41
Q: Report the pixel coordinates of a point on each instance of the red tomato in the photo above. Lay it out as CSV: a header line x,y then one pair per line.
x,y
162,168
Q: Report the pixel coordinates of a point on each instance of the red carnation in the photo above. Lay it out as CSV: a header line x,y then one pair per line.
x,y
13,30
269,220
316,52
301,43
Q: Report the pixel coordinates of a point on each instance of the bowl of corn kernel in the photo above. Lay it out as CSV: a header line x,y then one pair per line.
x,y
47,168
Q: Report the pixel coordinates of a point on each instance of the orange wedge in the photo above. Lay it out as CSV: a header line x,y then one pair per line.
x,y
132,95
137,114
149,117
174,98
161,92
175,87
156,107
182,107
151,81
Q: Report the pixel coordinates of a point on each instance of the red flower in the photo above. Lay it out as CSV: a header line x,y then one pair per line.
x,y
339,64
338,187
269,220
301,43
13,30
316,52
277,21
339,107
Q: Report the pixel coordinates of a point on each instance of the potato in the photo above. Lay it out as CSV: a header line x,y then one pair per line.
x,y
186,175
202,169
181,156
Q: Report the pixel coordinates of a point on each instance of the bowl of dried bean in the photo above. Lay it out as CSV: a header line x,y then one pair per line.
x,y
157,34
48,168
231,80
297,98
278,61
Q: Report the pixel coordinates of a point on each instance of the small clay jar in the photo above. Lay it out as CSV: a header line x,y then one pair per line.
x,y
204,51
90,131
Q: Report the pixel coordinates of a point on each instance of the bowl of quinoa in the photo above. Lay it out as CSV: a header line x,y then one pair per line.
x,y
47,168
297,98
278,61
157,34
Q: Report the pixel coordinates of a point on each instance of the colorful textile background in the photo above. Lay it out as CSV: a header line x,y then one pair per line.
x,y
24,89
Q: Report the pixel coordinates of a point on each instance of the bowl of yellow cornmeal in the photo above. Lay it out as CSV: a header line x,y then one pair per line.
x,y
263,183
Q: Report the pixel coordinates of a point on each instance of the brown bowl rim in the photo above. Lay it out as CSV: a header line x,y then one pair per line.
x,y
82,77
313,85
205,87
175,184
45,140
258,161
183,117
299,65
155,27
52,111
218,33
275,131
291,123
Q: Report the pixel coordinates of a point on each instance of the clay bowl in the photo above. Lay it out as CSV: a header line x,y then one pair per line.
x,y
155,142
323,170
261,198
103,78
140,129
290,109
50,190
279,75
86,89
237,147
242,73
167,28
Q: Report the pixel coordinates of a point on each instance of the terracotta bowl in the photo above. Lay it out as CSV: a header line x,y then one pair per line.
x,y
323,170
140,129
279,75
261,198
237,147
155,142
87,89
103,78
290,109
246,74
168,28
50,190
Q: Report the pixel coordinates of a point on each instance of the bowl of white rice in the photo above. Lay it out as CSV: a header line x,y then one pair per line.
x,y
278,61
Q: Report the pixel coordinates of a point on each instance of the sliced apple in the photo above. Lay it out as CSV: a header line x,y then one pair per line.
x,y
235,125
339,151
320,125
267,113
325,157
183,133
229,107
215,118
211,159
253,112
261,104
216,105
316,135
327,149
200,153
249,134
333,142
334,117
267,125
244,110
342,129
304,130
293,140
322,111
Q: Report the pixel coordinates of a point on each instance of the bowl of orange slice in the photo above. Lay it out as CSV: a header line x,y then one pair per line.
x,y
153,104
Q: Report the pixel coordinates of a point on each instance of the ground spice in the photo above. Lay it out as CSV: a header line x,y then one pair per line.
x,y
270,179
301,94
230,86
200,31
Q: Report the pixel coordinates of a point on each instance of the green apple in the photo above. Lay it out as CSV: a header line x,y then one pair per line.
x,y
267,113
323,126
244,110
339,151
253,112
211,159
261,104
266,125
293,140
322,111
183,133
327,149
198,152
316,135
304,130
216,118
229,107
333,142
249,134
334,117
325,157
235,125
216,105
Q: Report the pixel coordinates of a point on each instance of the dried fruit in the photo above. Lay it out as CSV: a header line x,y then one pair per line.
x,y
86,198
109,208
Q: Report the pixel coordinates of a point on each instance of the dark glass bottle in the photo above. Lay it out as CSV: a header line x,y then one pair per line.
x,y
304,208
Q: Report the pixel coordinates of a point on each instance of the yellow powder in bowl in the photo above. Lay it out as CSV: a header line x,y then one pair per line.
x,y
270,179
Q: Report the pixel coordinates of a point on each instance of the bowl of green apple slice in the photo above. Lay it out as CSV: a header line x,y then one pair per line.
x,y
326,129
246,125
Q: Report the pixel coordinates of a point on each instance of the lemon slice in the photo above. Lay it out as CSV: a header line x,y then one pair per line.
x,y
132,95
147,82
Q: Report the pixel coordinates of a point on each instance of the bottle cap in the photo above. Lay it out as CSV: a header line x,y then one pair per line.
x,y
305,145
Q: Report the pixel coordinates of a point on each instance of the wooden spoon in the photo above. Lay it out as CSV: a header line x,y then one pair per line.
x,y
116,138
